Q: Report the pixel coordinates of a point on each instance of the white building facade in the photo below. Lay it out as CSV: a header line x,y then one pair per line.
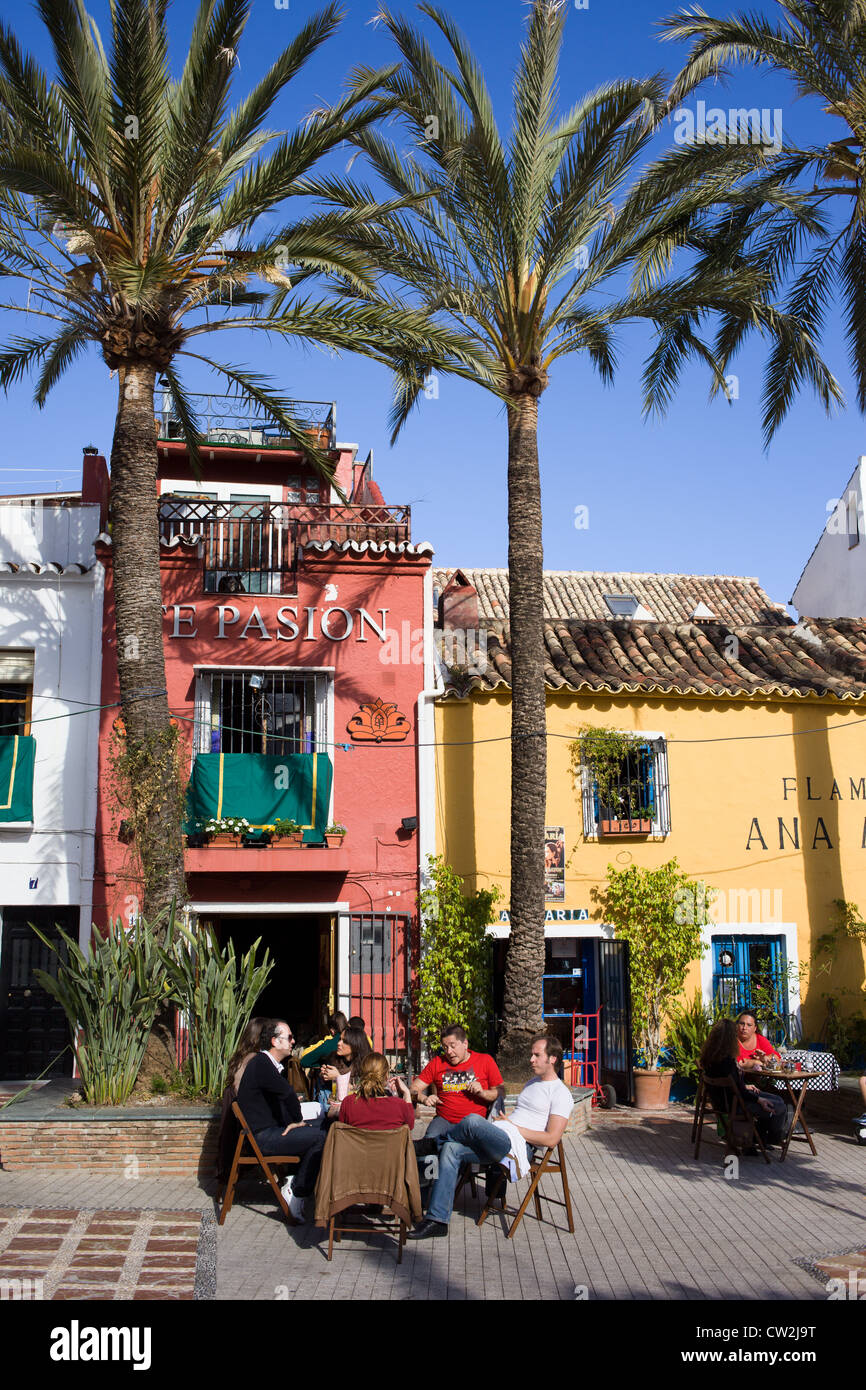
x,y
833,583
51,606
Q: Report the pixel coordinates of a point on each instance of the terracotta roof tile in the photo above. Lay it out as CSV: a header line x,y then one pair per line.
x,y
818,657
671,598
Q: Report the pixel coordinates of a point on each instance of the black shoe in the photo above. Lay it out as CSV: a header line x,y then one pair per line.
x,y
427,1228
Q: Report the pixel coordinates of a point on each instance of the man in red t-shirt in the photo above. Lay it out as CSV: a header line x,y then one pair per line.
x,y
464,1082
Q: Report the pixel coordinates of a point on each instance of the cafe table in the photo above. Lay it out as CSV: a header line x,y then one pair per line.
x,y
791,1081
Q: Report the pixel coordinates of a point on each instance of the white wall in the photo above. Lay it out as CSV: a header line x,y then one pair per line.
x,y
45,535
833,583
59,618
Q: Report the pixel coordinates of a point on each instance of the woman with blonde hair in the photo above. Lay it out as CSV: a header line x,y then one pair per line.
x,y
371,1107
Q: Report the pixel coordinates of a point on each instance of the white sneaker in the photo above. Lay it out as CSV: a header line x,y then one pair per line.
x,y
286,1188
296,1207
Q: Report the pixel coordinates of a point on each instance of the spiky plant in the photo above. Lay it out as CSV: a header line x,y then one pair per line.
x,y
537,247
821,46
129,210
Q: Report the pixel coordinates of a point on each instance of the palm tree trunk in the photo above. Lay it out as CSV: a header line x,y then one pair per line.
x,y
525,959
151,750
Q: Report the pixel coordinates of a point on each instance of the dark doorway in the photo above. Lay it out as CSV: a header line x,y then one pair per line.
x,y
34,1034
300,982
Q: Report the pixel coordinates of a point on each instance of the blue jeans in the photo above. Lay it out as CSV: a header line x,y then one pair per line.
x,y
474,1140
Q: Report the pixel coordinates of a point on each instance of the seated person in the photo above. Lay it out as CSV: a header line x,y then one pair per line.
x,y
719,1058
356,1021
325,1048
345,1071
248,1046
371,1107
754,1050
539,1118
273,1112
464,1082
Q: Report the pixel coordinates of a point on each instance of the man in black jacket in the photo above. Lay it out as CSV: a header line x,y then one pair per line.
x,y
273,1112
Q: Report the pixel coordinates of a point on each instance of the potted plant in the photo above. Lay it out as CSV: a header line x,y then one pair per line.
x,y
624,807
284,828
226,830
659,912
334,835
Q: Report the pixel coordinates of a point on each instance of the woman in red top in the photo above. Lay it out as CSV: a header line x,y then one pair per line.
x,y
755,1050
371,1107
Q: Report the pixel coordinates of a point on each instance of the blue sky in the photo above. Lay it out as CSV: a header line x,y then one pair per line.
x,y
691,493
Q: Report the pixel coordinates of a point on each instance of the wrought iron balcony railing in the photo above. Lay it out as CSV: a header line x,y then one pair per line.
x,y
253,547
228,420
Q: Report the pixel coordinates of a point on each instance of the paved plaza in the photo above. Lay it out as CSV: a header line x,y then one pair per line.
x,y
651,1223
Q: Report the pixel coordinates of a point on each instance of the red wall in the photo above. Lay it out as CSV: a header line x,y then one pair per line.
x,y
375,786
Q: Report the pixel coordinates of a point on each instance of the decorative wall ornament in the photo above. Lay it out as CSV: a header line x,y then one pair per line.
x,y
378,722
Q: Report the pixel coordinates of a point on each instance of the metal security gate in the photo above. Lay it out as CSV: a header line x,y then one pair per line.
x,y
379,980
34,1034
614,997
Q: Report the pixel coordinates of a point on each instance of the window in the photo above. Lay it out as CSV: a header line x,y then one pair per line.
x,y
272,712
16,692
853,521
306,490
621,605
630,797
750,972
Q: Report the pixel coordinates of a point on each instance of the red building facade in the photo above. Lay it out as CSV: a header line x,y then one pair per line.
x,y
283,609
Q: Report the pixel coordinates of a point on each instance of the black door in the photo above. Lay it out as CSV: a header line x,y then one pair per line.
x,y
34,1034
614,998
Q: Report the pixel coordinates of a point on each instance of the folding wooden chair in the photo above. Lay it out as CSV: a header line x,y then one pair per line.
x,y
353,1160
256,1158
740,1128
540,1163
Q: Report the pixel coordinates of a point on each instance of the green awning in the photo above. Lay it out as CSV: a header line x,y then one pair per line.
x,y
17,756
261,788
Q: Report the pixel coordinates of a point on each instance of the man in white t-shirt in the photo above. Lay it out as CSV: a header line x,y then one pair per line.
x,y
539,1117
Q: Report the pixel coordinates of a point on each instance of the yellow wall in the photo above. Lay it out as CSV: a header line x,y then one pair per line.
x,y
717,789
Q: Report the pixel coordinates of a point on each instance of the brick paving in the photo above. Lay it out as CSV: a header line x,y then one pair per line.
x,y
651,1224
61,1253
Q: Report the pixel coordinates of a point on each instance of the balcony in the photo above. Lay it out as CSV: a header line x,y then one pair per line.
x,y
232,422
253,547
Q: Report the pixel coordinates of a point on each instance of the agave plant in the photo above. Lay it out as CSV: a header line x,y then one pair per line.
x,y
216,992
111,997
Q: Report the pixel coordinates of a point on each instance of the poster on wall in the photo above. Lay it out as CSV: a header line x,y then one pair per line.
x,y
554,863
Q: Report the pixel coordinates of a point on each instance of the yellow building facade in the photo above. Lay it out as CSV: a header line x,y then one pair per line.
x,y
755,741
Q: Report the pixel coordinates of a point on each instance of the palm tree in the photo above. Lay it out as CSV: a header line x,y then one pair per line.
x,y
129,209
821,46
536,250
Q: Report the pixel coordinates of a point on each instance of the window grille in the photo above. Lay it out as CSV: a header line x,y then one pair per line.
x,y
641,792
286,714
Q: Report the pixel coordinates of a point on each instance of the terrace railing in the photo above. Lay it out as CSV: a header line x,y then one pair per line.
x,y
230,421
253,547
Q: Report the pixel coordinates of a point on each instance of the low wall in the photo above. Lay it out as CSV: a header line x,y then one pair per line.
x,y
132,1148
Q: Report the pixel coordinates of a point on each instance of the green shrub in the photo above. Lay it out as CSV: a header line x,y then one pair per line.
x,y
455,970
216,993
111,997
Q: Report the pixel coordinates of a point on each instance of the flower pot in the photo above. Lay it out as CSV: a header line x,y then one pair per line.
x,y
652,1089
225,838
334,841
626,827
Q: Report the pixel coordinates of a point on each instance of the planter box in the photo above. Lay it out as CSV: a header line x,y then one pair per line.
x,y
652,1089
625,827
224,840
334,841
